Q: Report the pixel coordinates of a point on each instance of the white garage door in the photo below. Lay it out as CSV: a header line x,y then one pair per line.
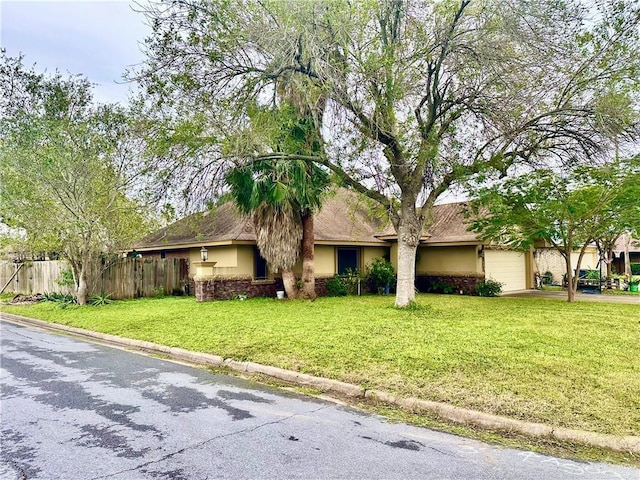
x,y
506,267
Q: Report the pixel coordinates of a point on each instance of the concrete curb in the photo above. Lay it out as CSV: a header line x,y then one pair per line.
x,y
630,444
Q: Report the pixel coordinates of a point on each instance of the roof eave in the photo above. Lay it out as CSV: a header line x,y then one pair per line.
x,y
181,246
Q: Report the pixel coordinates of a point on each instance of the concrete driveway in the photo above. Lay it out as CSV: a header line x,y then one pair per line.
x,y
580,297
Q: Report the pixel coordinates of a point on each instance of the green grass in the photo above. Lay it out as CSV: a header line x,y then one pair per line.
x,y
571,365
557,288
6,297
620,292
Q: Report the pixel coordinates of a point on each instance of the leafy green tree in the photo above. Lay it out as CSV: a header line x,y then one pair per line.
x,y
570,210
421,95
65,171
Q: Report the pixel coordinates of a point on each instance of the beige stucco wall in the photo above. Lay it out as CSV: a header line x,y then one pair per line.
x,y
549,259
326,260
369,253
589,260
454,259
393,256
323,260
245,260
194,256
230,259
238,260
224,256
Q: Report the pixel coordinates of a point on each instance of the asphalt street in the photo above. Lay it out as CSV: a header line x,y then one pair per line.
x,y
76,410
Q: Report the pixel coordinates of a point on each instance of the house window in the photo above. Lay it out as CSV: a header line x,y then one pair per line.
x,y
348,258
261,271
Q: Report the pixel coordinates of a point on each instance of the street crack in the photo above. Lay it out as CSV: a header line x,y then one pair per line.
x,y
205,442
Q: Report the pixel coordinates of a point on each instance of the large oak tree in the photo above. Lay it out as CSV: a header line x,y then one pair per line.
x,y
420,95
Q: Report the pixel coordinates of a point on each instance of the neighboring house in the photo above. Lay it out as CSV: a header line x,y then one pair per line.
x,y
623,245
549,259
347,236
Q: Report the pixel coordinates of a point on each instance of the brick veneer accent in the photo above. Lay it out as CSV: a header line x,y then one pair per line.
x,y
466,283
205,290
230,288
321,286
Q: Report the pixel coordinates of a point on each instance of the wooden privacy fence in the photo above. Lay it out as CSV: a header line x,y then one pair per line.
x,y
128,278
145,277
33,277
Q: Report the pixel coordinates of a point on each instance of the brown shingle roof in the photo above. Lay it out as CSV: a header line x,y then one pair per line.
x,y
344,217
634,246
222,224
449,225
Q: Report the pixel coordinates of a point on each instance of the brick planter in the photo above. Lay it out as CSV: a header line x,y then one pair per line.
x,y
228,289
466,283
220,288
204,290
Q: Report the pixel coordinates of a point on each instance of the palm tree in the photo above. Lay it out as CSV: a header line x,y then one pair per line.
x,y
282,197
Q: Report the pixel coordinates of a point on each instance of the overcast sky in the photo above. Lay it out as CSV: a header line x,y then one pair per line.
x,y
96,38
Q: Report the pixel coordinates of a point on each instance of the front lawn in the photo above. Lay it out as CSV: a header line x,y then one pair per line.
x,y
572,365
619,292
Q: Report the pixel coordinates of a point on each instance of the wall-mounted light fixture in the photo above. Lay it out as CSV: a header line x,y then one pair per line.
x,y
481,251
204,254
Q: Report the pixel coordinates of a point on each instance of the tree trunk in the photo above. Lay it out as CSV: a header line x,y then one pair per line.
x,y
290,284
308,290
82,289
609,256
606,255
572,283
409,231
572,279
627,261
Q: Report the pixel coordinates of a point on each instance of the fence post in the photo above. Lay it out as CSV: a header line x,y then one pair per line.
x,y
18,267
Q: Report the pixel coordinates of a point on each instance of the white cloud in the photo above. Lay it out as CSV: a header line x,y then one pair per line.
x,y
98,39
